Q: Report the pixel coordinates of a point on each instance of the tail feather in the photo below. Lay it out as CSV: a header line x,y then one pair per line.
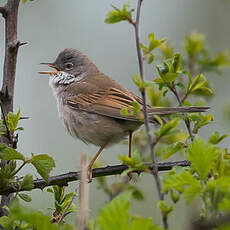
x,y
172,110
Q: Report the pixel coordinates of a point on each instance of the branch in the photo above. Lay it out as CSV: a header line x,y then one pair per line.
x,y
10,14
64,179
151,141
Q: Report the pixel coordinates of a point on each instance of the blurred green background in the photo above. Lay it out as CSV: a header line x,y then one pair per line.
x,y
52,25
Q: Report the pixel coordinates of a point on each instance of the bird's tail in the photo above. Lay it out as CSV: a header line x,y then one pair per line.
x,y
172,110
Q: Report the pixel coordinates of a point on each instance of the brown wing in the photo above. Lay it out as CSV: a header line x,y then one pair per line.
x,y
107,102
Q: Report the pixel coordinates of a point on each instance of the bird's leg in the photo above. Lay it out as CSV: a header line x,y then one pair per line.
x,y
90,176
130,143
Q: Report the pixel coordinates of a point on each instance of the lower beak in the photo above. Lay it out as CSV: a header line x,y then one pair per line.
x,y
49,72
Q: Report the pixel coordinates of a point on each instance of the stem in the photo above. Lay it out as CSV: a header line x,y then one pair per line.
x,y
19,168
186,119
152,142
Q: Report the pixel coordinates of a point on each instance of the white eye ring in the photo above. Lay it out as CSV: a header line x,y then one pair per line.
x,y
69,66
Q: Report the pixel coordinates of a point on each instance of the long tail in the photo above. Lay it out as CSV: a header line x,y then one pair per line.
x,y
171,110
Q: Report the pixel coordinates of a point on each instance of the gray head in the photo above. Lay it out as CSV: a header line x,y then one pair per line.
x,y
72,65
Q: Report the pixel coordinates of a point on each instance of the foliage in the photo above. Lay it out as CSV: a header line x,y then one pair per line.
x,y
42,162
61,202
207,180
21,217
116,213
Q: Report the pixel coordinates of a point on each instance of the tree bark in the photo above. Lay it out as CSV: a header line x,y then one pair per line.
x,y
10,14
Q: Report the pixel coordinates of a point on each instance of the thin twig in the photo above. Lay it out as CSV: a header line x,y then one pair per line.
x,y
64,179
186,119
152,142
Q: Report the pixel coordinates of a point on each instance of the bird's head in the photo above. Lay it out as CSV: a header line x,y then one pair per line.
x,y
70,65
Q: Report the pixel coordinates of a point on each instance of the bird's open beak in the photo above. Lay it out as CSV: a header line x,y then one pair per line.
x,y
50,65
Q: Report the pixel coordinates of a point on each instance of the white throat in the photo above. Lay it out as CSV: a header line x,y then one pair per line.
x,y
61,78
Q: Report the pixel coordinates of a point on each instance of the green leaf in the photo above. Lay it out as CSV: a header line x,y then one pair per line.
x,y
6,223
33,218
136,192
198,84
10,154
118,15
135,163
216,138
27,183
172,149
12,120
138,81
176,63
142,223
165,209
166,50
170,77
43,164
192,192
167,128
24,197
115,214
183,182
194,43
202,156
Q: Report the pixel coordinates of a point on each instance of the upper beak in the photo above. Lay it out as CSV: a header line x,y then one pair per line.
x,y
50,65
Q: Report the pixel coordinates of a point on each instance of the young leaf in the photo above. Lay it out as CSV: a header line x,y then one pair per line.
x,y
44,164
118,15
24,197
167,128
194,43
11,154
138,81
202,156
12,120
172,149
216,138
165,209
135,163
183,182
27,183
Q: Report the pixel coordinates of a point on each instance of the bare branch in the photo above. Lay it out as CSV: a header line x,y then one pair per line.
x,y
152,142
64,179
186,119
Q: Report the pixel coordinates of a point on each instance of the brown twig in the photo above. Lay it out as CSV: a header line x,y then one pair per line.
x,y
152,142
64,179
10,14
186,119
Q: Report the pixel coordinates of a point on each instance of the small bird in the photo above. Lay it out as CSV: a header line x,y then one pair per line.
x,y
89,103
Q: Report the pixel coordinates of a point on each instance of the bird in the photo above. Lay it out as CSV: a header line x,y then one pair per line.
x,y
89,103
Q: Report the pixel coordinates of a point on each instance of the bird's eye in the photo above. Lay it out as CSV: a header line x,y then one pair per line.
x,y
69,66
